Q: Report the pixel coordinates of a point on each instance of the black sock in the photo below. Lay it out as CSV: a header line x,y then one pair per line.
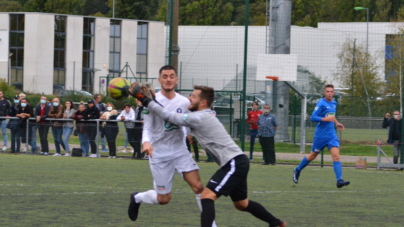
x,y
208,212
260,212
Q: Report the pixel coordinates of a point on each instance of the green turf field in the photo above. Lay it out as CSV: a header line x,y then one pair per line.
x,y
59,191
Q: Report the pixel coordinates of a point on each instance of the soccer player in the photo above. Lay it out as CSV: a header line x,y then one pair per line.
x,y
164,143
325,135
231,178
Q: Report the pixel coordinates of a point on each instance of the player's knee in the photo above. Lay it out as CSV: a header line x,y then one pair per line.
x,y
198,188
241,205
311,156
164,199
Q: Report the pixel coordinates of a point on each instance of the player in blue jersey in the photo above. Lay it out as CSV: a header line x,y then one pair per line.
x,y
325,136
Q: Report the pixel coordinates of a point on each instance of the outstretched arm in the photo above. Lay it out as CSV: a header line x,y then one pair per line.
x,y
189,119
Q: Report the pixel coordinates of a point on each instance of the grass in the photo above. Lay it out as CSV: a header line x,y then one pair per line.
x,y
58,191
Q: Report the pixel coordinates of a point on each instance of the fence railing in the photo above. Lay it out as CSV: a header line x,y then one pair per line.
x,y
99,134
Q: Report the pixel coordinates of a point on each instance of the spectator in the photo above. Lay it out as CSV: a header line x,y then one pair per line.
x,y
394,125
24,112
56,111
267,127
137,151
68,125
92,113
4,110
48,102
101,106
14,127
111,128
128,115
81,129
252,120
41,113
22,96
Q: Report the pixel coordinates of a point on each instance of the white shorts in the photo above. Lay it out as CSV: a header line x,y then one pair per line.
x,y
163,172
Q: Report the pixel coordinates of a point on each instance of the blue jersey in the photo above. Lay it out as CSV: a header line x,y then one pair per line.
x,y
324,129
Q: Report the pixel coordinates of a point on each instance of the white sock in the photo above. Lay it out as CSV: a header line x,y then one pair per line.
x,y
198,201
149,197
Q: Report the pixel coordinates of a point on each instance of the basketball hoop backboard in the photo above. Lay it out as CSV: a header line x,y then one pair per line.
x,y
280,66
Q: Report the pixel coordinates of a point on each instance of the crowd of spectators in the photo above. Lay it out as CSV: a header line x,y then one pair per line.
x,y
64,120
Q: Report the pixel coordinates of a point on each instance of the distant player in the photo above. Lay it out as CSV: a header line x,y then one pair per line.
x,y
325,136
165,144
231,178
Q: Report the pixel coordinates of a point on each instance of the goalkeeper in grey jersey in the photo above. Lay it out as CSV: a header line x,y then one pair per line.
x,y
231,178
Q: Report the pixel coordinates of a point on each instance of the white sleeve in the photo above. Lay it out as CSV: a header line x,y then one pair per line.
x,y
147,127
130,116
120,115
191,120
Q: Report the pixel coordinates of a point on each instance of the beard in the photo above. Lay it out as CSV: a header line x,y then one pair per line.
x,y
193,107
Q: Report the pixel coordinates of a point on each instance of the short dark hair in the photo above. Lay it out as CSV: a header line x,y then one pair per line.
x,y
96,96
207,93
167,67
126,105
329,85
256,103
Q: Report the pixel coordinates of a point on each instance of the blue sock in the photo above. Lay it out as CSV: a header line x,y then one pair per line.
x,y
302,164
338,170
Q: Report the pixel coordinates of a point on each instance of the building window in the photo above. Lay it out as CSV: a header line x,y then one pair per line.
x,y
115,48
59,60
141,52
16,45
88,55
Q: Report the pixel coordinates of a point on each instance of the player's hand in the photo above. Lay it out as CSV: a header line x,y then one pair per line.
x,y
142,92
190,139
387,115
340,127
148,149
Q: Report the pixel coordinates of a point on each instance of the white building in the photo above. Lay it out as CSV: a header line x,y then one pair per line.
x,y
51,51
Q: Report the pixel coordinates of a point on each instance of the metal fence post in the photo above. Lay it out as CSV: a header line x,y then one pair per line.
x,y
26,136
98,139
378,157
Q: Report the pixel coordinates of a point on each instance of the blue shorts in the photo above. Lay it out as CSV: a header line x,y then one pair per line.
x,y
320,143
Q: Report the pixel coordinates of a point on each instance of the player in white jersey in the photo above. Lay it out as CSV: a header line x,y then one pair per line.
x,y
231,178
165,144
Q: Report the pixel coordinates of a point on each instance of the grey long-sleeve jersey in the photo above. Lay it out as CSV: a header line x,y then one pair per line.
x,y
204,125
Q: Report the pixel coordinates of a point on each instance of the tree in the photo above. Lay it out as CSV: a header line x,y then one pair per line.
x,y
200,12
358,70
257,13
10,6
135,9
206,12
92,7
395,65
64,6
34,6
383,8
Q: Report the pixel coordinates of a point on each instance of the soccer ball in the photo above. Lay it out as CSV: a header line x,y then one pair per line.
x,y
118,88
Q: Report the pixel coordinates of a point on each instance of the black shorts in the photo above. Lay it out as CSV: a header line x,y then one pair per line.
x,y
231,179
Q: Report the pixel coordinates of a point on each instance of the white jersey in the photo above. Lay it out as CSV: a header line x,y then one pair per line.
x,y
167,139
